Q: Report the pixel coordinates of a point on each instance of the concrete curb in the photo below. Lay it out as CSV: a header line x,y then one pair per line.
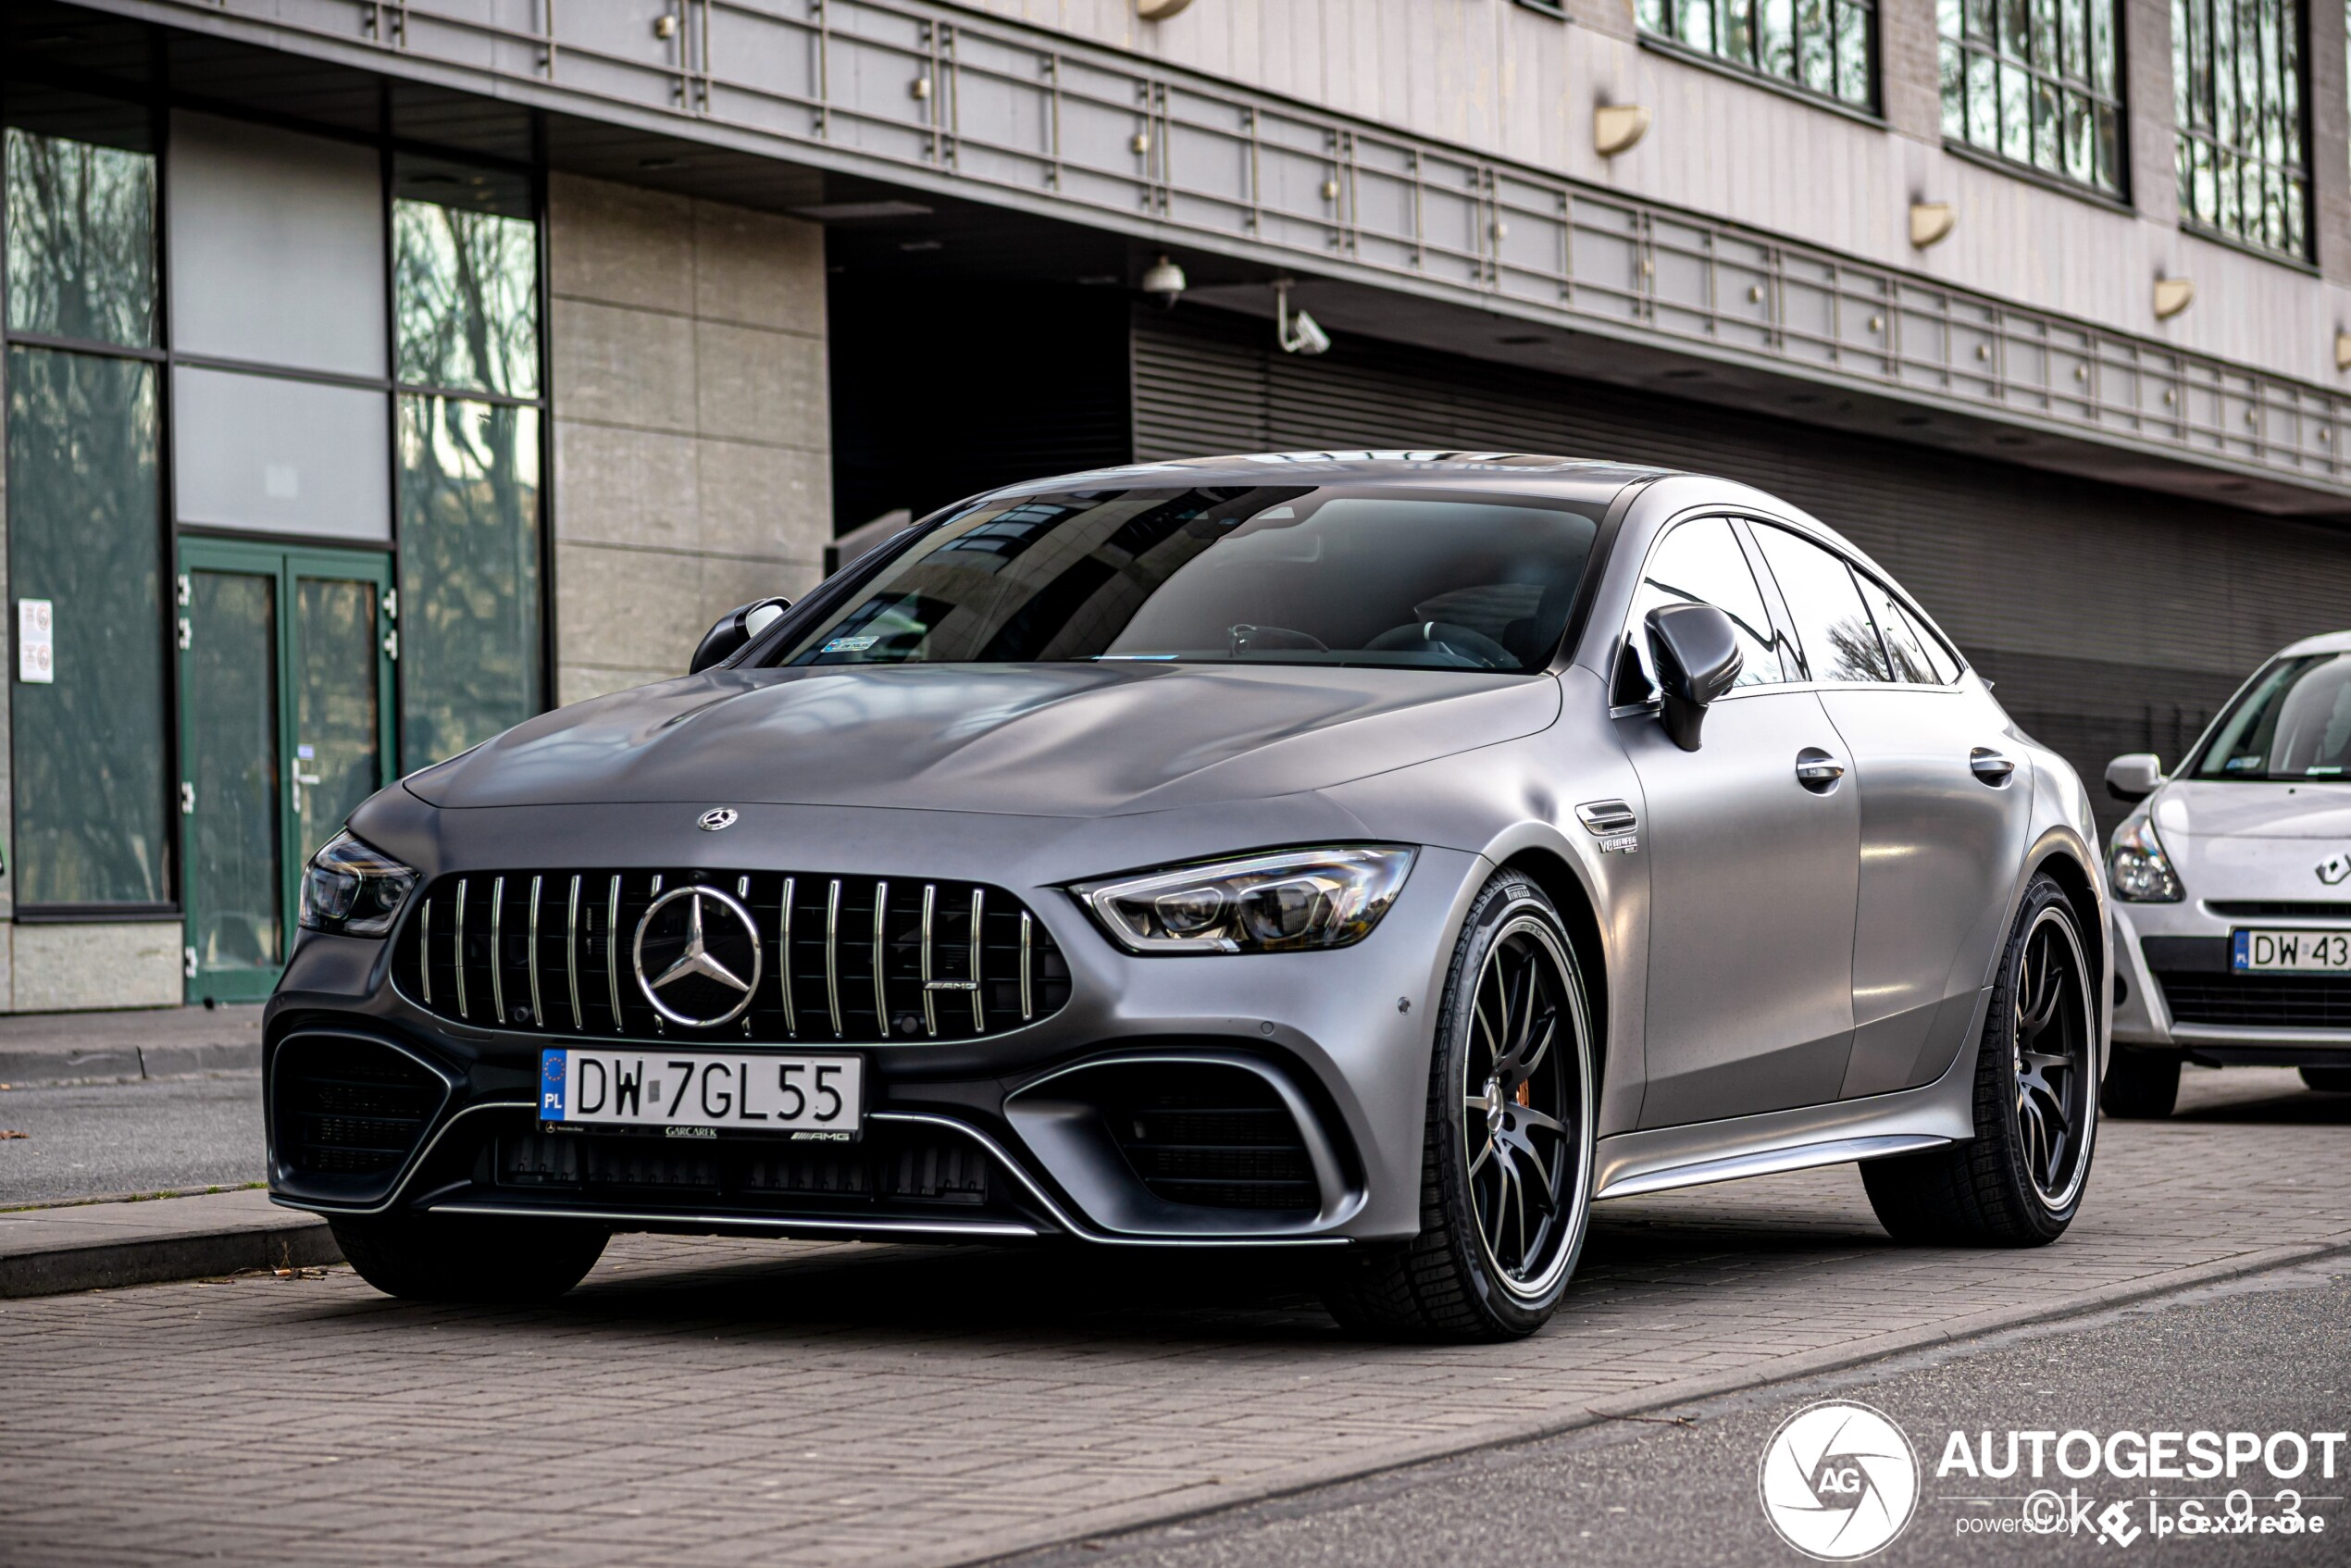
x,y
99,1246
1020,1541
124,1064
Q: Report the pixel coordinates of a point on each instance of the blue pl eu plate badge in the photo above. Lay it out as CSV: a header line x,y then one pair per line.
x,y
551,1086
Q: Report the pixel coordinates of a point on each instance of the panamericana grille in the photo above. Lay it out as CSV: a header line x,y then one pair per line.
x,y
349,1106
858,959
2274,1002
1205,1134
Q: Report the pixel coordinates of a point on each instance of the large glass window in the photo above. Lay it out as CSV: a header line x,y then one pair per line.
x,y
1275,575
2035,82
1824,46
83,542
465,318
466,271
2237,98
468,573
81,232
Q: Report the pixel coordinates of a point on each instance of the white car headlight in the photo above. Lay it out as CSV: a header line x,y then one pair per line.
x,y
1283,901
353,889
2141,872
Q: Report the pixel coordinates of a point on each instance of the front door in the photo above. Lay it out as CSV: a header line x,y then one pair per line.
x,y
285,724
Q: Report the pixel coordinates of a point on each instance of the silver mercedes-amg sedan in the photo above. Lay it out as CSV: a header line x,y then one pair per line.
x,y
2232,920
1382,855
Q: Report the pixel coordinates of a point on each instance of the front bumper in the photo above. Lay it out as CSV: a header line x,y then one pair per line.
x,y
1023,1134
2176,989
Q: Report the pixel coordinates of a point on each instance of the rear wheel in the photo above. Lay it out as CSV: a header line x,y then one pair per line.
x,y
470,1257
2329,1081
1506,1162
2019,1181
2141,1085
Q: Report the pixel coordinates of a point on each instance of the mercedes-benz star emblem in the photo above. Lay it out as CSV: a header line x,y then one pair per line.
x,y
2334,868
718,819
697,957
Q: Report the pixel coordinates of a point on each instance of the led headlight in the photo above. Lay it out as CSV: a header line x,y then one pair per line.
x,y
353,889
2142,873
1284,901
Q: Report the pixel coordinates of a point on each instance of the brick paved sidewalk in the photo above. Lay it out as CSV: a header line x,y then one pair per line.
x,y
720,1402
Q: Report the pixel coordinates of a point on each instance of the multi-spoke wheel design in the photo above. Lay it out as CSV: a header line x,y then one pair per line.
x,y
1520,1129
2017,1182
1506,1168
2051,1055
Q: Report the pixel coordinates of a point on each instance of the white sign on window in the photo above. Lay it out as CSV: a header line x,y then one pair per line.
x,y
36,641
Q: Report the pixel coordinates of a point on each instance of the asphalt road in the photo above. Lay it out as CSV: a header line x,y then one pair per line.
x,y
2263,1354
102,1140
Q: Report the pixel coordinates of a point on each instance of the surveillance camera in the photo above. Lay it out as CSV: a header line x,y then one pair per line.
x,y
1165,282
1294,330
1307,336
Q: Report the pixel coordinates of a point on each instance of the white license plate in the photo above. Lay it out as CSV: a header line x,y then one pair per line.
x,y
2293,953
690,1094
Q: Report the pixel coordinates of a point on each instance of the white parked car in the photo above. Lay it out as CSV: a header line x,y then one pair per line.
x,y
2232,890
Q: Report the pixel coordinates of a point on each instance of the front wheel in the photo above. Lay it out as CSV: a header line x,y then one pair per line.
x,y
482,1258
2019,1181
1506,1162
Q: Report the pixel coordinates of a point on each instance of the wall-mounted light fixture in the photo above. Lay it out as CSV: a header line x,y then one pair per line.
x,y
1159,10
2342,349
2172,295
1932,222
1297,332
1616,128
1165,282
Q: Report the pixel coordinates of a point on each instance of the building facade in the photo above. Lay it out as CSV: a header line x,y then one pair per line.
x,y
378,375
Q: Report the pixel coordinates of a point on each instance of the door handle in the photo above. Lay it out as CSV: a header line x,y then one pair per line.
x,y
1990,766
1817,770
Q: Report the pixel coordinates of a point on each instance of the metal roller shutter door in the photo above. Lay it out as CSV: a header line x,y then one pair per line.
x,y
2111,620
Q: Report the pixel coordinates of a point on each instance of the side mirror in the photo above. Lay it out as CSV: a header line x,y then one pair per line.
x,y
1697,651
2134,776
734,629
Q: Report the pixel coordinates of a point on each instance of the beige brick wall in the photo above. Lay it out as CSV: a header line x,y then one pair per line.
x,y
692,438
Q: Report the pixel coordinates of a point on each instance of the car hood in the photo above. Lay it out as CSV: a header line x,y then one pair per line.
x,y
1027,739
2217,809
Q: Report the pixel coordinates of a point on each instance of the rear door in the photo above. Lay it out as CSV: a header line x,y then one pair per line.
x,y
1751,873
1945,809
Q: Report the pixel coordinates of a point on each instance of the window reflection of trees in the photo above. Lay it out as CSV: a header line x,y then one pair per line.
x,y
80,239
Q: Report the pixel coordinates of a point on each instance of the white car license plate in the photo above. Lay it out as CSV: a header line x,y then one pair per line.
x,y
2292,953
690,1094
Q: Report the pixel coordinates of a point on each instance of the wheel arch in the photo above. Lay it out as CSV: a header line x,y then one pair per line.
x,y
1564,884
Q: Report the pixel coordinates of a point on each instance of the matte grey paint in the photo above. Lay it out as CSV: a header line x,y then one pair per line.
x,y
1031,778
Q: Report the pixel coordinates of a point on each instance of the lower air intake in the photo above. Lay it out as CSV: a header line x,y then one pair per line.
x,y
348,1106
1205,1134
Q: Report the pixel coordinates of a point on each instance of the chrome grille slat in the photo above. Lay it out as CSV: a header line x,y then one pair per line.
x,y
979,1007
930,1013
832,954
463,1012
497,951
612,955
461,966
537,1013
783,955
881,954
571,953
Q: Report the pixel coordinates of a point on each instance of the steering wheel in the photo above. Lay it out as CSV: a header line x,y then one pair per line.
x,y
1448,640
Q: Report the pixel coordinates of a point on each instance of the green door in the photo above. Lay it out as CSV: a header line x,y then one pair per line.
x,y
285,724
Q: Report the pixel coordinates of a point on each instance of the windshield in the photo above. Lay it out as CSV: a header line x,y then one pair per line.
x,y
2293,722
1287,575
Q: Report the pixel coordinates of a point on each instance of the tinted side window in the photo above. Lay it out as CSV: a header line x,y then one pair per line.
x,y
1938,653
1840,642
1904,646
1700,563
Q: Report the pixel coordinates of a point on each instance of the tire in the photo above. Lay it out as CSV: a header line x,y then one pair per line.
x,y
1485,1267
474,1258
2141,1085
2327,1080
2018,1182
